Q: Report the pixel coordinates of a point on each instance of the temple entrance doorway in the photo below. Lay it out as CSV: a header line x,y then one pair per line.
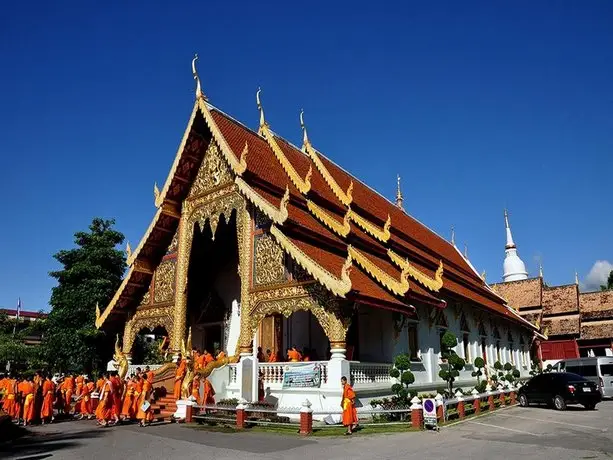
x,y
150,346
213,287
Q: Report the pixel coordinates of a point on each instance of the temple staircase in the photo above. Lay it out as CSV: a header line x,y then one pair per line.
x,y
163,408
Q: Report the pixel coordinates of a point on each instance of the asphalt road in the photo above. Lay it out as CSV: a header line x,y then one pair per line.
x,y
514,433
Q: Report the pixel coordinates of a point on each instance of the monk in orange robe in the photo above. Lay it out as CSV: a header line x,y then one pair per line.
x,y
79,384
208,358
138,389
117,393
9,401
220,355
179,375
196,388
104,411
145,416
69,386
99,384
272,357
85,399
208,396
27,392
46,411
150,375
294,355
128,400
350,413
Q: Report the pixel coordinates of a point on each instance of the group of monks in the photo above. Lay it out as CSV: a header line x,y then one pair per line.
x,y
293,355
39,398
203,397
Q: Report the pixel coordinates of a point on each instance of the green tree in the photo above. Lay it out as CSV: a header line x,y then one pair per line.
x,y
450,370
479,368
91,274
609,284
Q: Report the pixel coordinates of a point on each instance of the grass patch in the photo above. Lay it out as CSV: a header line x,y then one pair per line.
x,y
293,430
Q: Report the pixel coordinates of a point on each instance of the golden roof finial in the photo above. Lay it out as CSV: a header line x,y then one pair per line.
x,y
199,93
453,235
156,191
576,278
540,270
399,197
128,250
260,108
305,136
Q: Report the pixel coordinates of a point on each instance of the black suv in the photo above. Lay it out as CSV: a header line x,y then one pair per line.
x,y
559,389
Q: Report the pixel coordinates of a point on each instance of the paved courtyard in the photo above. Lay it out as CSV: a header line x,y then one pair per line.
x,y
512,433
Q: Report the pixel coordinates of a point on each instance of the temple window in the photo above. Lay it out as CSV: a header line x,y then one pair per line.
x,y
465,338
511,348
413,342
483,336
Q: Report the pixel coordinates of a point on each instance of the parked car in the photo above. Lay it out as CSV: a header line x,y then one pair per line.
x,y
597,369
559,390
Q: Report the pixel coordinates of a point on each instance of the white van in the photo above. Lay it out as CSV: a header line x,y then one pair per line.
x,y
599,370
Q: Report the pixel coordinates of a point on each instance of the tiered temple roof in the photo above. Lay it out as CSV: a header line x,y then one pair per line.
x,y
349,238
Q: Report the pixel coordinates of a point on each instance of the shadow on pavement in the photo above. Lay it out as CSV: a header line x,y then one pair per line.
x,y
41,445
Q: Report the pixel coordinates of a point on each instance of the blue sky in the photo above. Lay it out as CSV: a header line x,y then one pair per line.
x,y
479,106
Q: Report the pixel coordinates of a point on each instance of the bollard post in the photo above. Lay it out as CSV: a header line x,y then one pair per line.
x,y
460,397
513,398
502,396
241,416
439,407
306,418
188,414
417,416
490,397
476,401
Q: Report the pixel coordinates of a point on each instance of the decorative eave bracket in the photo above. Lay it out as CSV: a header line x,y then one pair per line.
x,y
278,216
398,287
434,284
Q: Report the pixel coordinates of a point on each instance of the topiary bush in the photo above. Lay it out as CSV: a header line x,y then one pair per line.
x,y
451,369
479,368
402,396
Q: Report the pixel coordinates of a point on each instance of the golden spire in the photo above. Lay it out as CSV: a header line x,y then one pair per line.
x,y
540,270
199,93
576,278
128,250
453,235
260,108
399,198
305,136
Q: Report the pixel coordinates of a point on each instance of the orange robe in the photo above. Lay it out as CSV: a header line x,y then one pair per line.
x,y
294,355
69,388
99,384
9,403
46,411
27,391
350,413
150,376
272,358
128,401
220,356
144,396
79,381
104,411
117,391
208,398
179,375
196,388
86,402
138,389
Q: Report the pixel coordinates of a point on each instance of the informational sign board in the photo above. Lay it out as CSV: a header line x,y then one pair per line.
x,y
302,376
429,409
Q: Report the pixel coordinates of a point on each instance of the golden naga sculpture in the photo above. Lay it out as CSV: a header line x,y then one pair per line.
x,y
210,367
121,360
186,351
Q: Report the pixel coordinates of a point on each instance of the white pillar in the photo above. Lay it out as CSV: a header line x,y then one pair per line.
x,y
255,376
244,376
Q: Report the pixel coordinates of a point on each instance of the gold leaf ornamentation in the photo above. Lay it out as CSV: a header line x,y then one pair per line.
x,y
164,287
398,287
303,185
269,261
434,284
213,172
344,197
147,318
341,229
276,215
381,234
339,286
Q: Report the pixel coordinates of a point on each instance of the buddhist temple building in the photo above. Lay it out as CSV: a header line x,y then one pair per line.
x,y
576,324
256,242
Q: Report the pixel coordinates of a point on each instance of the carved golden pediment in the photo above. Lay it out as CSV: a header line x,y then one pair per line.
x,y
164,287
269,261
213,172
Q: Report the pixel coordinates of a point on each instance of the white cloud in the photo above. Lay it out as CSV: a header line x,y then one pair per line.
x,y
598,275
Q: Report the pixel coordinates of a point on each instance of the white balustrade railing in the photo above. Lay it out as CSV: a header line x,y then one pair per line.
x,y
273,372
370,373
132,367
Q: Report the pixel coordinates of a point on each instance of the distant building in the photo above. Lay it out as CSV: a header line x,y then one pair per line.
x,y
576,323
25,317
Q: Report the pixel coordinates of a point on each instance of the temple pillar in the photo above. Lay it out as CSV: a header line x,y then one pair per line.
x,y
186,234
244,236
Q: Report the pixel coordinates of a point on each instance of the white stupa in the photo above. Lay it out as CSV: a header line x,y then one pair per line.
x,y
514,267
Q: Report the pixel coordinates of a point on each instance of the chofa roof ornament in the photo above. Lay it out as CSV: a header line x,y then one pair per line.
x,y
305,136
199,93
260,108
